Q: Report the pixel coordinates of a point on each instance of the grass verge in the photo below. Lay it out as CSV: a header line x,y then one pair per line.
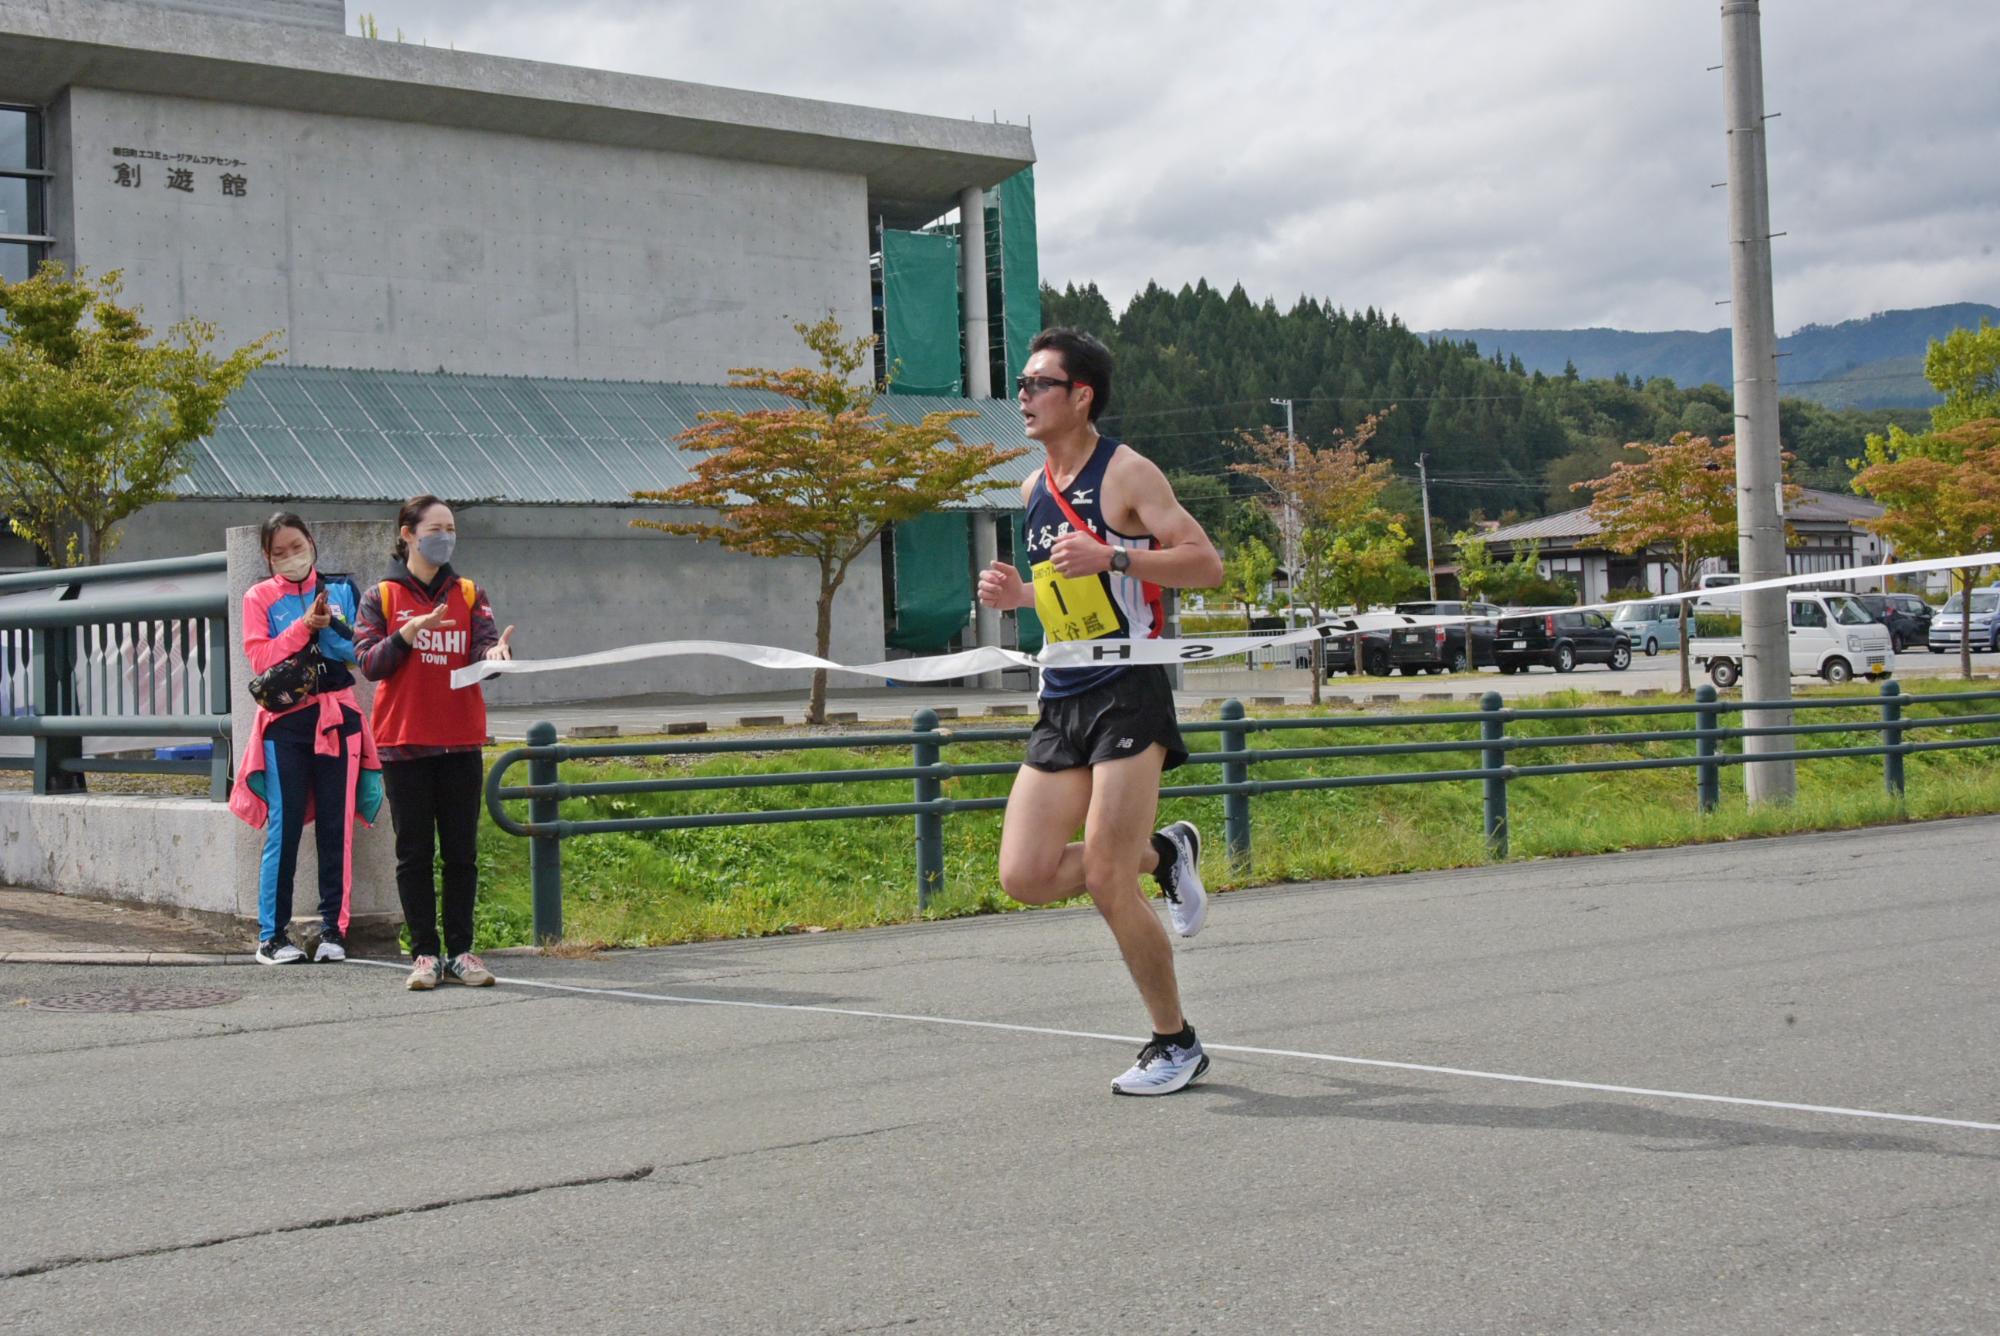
x,y
747,881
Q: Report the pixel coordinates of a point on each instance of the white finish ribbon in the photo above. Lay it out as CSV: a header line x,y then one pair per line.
x,y
1087,653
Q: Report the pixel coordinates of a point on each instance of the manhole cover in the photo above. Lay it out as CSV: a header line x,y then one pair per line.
x,y
136,999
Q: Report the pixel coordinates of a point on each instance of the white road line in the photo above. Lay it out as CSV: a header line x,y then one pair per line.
x,y
1468,1072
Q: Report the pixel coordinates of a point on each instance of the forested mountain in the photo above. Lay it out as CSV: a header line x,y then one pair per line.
x,y
1869,363
1197,365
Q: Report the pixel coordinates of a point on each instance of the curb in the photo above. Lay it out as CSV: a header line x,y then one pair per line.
x,y
122,958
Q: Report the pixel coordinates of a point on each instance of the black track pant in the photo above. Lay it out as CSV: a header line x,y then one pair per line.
x,y
434,802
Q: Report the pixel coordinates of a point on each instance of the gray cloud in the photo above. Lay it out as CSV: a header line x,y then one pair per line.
x,y
1509,162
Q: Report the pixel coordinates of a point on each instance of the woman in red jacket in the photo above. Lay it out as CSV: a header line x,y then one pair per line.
x,y
419,624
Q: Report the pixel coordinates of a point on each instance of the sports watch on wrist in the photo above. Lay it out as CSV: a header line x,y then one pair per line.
x,y
1121,560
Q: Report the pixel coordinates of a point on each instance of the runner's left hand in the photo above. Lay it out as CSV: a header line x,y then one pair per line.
x,y
1079,554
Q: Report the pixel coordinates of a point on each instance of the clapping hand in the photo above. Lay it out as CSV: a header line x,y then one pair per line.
x,y
500,652
319,614
416,626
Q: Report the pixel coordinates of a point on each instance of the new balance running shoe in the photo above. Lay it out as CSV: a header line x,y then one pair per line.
x,y
467,969
1180,880
423,974
1163,1067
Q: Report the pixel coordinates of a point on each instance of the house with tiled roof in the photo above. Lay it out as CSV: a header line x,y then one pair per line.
x,y
1825,534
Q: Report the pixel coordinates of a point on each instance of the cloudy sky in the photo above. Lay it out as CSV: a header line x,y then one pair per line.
x,y
1461,163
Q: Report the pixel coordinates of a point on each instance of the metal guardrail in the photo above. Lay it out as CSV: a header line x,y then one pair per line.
x,y
137,666
545,792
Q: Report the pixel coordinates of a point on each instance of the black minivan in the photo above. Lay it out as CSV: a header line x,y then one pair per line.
x,y
1561,638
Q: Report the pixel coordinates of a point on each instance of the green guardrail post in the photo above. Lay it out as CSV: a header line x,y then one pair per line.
x,y
1493,728
1892,762
930,825
53,658
1236,806
545,851
1708,776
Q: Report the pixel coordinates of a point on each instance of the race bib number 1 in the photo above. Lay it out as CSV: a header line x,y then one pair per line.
x,y
1072,607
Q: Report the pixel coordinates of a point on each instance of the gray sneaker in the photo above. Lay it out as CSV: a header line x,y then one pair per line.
x,y
1187,898
1162,1069
278,951
469,970
423,975
330,950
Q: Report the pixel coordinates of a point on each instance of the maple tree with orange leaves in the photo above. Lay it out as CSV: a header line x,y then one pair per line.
x,y
821,478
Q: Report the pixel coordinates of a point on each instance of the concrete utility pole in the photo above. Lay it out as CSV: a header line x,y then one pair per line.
x,y
1430,561
972,279
1760,528
1291,520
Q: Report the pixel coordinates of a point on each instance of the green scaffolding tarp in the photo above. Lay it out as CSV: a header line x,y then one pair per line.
x,y
1020,270
920,325
1028,626
933,556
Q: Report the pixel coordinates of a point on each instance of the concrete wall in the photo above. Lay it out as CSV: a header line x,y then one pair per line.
x,y
422,247
179,853
577,579
327,14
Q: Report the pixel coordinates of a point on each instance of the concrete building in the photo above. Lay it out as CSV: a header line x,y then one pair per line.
x,y
442,220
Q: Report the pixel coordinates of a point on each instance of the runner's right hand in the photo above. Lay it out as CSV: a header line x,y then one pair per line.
x,y
1001,586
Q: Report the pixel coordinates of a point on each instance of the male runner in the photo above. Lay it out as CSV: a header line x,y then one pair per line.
x,y
1105,532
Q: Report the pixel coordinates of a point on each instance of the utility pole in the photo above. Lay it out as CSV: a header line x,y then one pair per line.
x,y
1430,562
1291,521
1760,529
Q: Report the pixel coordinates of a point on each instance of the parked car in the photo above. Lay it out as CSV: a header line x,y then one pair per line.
x,y
1832,636
1951,624
1356,652
1561,638
1907,617
1718,591
1455,647
1650,627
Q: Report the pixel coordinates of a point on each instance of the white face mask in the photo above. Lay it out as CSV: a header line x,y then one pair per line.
x,y
295,568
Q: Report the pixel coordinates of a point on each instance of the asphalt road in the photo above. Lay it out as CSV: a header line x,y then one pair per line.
x,y
330,1153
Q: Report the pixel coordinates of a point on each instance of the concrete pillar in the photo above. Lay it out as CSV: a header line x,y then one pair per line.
x,y
1760,545
359,548
985,620
972,271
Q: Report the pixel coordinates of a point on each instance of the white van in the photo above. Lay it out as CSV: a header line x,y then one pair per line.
x,y
1716,592
1832,636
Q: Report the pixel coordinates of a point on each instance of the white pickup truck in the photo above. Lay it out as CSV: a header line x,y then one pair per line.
x,y
1832,636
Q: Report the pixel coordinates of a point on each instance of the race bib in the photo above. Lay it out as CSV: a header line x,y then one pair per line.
x,y
1072,607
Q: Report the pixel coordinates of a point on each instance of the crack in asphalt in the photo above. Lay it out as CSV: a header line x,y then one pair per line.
x,y
788,1145
327,1222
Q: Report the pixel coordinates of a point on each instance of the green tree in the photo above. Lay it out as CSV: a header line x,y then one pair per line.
x,y
1330,498
95,421
1476,566
1941,501
1964,366
821,478
1678,502
1246,574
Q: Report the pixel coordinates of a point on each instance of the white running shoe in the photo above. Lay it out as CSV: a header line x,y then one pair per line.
x,y
329,950
1187,898
278,951
1162,1069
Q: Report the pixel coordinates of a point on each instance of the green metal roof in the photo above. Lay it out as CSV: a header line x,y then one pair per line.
x,y
318,434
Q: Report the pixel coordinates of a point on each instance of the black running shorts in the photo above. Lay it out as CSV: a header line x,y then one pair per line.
x,y
1122,718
